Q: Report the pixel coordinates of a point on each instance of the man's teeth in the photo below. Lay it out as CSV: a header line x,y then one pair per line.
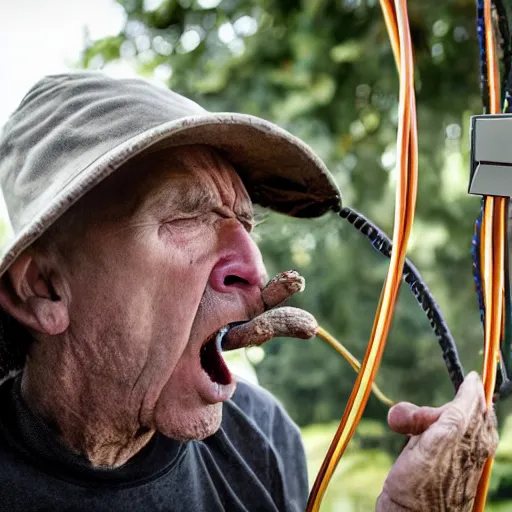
x,y
219,338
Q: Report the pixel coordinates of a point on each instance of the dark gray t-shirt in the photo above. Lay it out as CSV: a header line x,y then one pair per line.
x,y
255,462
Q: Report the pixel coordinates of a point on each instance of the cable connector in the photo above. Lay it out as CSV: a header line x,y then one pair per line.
x,y
491,155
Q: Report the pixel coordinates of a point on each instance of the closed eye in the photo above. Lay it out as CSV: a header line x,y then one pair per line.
x,y
184,222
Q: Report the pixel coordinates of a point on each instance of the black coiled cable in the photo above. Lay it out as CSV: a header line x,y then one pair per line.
x,y
381,242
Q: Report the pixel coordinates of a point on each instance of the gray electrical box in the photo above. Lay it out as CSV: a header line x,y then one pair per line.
x,y
491,155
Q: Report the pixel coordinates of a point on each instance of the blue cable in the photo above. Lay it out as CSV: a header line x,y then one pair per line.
x,y
480,32
475,253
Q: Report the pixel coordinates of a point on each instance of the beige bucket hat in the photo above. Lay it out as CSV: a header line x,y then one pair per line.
x,y
73,130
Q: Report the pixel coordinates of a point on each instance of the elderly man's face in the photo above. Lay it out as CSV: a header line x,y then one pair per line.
x,y
147,292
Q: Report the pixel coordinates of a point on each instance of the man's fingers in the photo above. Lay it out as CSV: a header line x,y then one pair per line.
x,y
441,466
406,418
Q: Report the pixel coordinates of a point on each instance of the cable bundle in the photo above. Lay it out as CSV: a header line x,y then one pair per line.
x,y
491,233
397,24
490,259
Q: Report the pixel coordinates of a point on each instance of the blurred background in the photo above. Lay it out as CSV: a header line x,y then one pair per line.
x,y
324,70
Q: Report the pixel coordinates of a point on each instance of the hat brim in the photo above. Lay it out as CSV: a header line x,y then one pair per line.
x,y
279,171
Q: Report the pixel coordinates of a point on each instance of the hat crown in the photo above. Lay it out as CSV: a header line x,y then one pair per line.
x,y
65,122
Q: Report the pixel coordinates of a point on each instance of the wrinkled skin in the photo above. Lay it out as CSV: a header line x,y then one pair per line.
x,y
138,299
121,300
440,466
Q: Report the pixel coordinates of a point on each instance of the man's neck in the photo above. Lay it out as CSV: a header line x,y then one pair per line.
x,y
85,420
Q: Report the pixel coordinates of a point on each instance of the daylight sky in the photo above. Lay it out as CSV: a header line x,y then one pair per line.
x,y
39,37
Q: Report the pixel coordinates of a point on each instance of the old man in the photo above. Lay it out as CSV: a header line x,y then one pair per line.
x,y
131,210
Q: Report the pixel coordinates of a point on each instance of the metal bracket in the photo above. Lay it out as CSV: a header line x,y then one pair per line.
x,y
491,155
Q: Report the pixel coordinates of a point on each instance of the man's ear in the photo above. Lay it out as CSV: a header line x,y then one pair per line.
x,y
33,298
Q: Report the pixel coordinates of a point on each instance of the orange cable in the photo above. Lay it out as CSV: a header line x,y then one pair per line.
x,y
388,12
404,213
493,236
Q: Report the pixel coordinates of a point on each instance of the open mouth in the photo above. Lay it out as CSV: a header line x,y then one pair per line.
x,y
273,322
285,322
212,361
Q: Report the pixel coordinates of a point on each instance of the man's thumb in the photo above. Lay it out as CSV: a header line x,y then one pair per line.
x,y
407,418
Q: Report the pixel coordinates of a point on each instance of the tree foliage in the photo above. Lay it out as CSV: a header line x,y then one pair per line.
x,y
324,70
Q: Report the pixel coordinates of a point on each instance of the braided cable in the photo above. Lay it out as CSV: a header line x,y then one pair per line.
x,y
381,242
480,31
475,256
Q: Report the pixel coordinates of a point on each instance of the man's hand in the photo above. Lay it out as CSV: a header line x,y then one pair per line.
x,y
441,464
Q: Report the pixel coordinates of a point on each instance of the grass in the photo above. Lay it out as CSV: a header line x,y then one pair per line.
x,y
358,479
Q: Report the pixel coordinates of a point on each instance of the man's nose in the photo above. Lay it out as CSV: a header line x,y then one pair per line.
x,y
240,265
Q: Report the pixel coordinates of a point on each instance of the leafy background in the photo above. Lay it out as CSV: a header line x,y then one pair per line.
x,y
324,70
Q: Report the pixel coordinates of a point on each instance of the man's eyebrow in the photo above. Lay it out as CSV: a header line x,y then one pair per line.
x,y
182,198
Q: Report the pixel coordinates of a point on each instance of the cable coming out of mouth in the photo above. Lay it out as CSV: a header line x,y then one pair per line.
x,y
286,322
274,322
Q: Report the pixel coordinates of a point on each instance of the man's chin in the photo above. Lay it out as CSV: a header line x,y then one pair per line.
x,y
192,425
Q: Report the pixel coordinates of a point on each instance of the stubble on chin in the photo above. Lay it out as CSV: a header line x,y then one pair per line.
x,y
191,425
